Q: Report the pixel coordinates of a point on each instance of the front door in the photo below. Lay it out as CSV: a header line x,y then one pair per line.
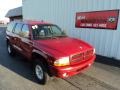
x,y
26,44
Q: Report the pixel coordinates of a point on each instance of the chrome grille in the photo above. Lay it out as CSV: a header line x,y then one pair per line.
x,y
81,56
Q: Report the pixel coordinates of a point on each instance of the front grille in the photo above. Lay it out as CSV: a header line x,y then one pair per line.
x,y
88,54
81,56
78,56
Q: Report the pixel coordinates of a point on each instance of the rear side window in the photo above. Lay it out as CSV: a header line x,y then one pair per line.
x,y
18,28
25,31
11,26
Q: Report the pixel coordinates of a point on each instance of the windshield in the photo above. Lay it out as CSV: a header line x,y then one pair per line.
x,y
47,31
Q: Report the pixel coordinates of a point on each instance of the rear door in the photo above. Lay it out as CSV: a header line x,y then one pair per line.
x,y
16,36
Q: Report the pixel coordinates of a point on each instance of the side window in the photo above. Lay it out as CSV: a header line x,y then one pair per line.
x,y
25,31
18,28
11,26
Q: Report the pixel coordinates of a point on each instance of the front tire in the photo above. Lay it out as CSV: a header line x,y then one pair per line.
x,y
41,73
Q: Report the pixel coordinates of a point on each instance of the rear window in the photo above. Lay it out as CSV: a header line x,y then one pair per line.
x,y
18,28
11,26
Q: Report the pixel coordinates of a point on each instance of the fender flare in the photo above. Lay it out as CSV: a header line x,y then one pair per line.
x,y
43,54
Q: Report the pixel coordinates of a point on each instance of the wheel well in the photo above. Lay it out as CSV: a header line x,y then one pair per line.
x,y
43,60
7,41
36,55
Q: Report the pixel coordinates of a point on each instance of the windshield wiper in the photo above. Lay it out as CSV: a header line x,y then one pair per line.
x,y
61,36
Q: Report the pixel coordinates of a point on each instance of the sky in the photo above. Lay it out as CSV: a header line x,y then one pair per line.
x,y
6,5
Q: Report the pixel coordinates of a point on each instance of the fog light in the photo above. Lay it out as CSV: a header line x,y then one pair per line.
x,y
89,65
65,75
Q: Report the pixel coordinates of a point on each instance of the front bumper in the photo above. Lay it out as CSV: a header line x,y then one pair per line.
x,y
67,71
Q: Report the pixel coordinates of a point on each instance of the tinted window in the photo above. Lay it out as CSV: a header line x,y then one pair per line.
x,y
46,31
55,31
18,28
25,31
10,26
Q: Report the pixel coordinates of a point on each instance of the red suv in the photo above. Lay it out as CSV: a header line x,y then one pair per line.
x,y
49,49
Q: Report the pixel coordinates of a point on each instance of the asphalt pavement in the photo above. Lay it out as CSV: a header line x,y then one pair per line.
x,y
16,74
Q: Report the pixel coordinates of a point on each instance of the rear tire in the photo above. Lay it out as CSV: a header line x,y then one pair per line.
x,y
10,50
41,73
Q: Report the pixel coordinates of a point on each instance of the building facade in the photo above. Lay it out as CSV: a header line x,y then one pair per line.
x,y
63,13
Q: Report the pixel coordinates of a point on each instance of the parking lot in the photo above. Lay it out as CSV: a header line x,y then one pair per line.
x,y
16,74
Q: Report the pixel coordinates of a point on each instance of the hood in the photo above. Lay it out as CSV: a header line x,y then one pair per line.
x,y
63,46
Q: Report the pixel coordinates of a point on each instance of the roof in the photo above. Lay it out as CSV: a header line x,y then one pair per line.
x,y
35,22
14,12
32,22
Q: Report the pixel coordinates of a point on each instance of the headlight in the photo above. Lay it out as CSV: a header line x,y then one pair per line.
x,y
62,62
